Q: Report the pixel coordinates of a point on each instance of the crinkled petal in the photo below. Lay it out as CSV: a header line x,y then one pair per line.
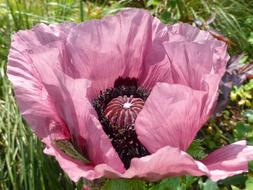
x,y
75,169
32,97
40,35
198,68
172,115
186,32
194,44
229,160
191,63
70,99
159,165
169,161
103,50
198,65
44,35
196,59
166,162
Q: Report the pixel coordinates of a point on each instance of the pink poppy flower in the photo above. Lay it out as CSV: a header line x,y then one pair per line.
x,y
127,92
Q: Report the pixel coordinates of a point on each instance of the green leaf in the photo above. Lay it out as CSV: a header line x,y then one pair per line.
x,y
249,184
168,184
165,16
250,39
189,181
196,150
210,185
250,165
123,184
234,180
241,130
249,115
67,147
153,3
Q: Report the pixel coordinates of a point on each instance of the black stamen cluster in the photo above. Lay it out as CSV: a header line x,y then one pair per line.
x,y
124,139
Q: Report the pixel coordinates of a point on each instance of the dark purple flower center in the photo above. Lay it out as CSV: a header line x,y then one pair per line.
x,y
117,110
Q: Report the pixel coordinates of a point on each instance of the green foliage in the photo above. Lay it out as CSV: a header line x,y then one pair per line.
x,y
242,130
249,183
23,165
235,181
243,95
196,149
210,185
172,183
124,184
249,115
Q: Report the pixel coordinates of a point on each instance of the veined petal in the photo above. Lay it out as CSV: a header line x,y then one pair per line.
x,y
198,65
32,96
182,42
166,162
191,63
172,115
44,36
103,50
182,109
40,35
68,97
186,32
157,166
229,160
75,169
169,161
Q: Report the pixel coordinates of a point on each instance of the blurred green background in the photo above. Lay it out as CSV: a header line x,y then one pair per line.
x,y
22,163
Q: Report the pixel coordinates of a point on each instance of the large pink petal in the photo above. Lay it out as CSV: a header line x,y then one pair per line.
x,y
103,50
75,169
172,115
158,67
198,65
32,97
194,52
59,97
229,160
43,35
191,63
40,35
166,162
186,32
70,99
176,117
